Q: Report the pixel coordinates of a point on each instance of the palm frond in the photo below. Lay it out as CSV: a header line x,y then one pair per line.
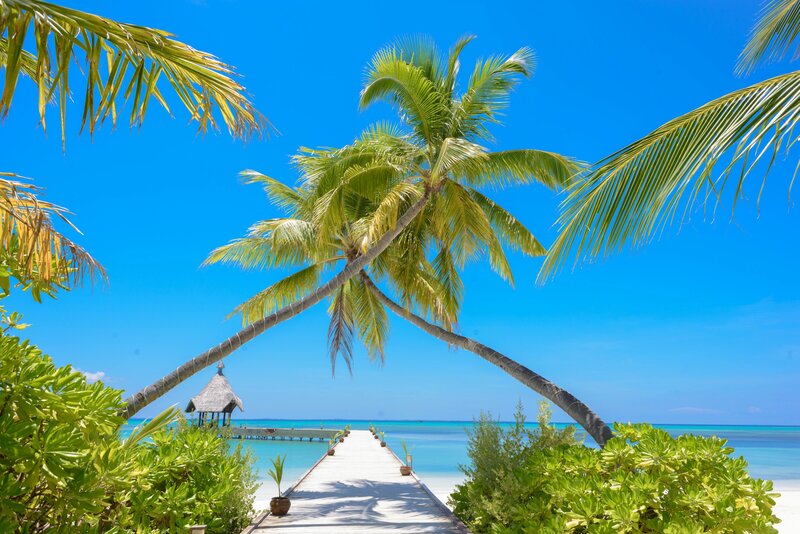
x,y
519,167
432,298
459,223
41,253
279,194
629,196
391,78
136,60
421,51
282,242
391,207
324,169
457,152
512,233
341,328
370,319
773,35
488,92
451,289
454,65
27,61
281,293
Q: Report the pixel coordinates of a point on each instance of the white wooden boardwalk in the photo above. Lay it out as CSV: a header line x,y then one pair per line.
x,y
360,489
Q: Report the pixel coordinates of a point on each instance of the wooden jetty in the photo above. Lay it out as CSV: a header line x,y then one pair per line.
x,y
310,434
360,489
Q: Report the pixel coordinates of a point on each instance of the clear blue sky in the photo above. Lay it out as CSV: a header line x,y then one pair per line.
x,y
701,327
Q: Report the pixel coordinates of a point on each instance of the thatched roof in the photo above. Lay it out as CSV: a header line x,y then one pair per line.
x,y
217,396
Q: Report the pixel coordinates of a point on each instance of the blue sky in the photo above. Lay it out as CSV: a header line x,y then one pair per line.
x,y
703,326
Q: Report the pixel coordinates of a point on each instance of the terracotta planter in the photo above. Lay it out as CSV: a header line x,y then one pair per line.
x,y
331,452
377,436
383,443
279,506
405,470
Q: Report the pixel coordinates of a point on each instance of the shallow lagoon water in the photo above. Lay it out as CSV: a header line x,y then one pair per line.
x,y
439,447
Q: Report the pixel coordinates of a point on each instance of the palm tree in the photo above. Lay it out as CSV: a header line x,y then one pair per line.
x,y
428,167
123,62
357,308
631,195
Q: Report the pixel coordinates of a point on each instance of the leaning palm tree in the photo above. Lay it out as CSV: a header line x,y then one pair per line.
x,y
123,63
425,284
631,195
440,153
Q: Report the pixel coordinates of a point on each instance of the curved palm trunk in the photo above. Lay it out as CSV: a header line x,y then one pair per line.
x,y
136,402
576,409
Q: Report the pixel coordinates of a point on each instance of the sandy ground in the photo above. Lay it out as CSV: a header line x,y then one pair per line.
x,y
787,507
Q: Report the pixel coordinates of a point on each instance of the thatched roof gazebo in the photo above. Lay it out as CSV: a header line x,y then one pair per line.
x,y
216,399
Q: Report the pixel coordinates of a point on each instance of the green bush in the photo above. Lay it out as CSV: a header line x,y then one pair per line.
x,y
189,476
642,481
64,468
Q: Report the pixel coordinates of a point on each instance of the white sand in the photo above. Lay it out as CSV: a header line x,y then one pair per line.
x,y
787,507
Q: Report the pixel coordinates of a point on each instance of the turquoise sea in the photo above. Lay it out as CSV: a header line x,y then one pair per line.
x,y
439,447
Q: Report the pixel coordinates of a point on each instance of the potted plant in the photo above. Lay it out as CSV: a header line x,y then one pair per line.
x,y
340,436
383,440
346,430
331,450
278,505
405,469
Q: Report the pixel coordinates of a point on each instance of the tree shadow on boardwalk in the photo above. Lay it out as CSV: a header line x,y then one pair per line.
x,y
367,505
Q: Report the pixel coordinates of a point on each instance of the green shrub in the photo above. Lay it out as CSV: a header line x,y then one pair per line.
x,y
495,452
64,468
191,477
642,481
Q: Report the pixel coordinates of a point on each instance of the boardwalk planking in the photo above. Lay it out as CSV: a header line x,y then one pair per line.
x,y
360,489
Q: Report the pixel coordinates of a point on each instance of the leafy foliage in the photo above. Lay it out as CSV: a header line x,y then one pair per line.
x,y
495,454
406,452
347,198
64,468
32,251
703,157
60,458
122,62
642,481
773,36
276,471
190,476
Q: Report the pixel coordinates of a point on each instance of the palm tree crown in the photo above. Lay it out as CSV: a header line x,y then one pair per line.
x,y
348,197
